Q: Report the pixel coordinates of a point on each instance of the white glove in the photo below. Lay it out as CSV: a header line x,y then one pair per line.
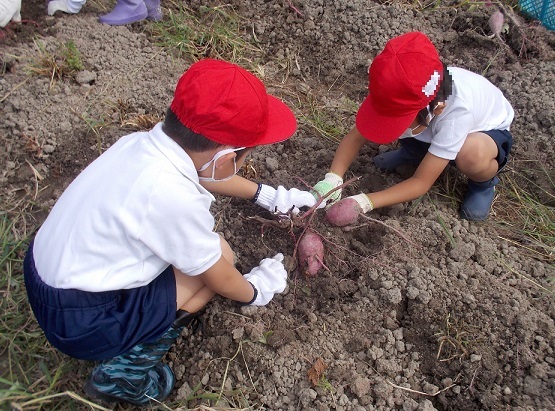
x,y
9,10
269,278
364,202
330,181
284,200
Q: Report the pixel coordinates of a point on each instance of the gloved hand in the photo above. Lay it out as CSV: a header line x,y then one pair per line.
x,y
269,278
284,200
330,181
346,211
9,10
364,202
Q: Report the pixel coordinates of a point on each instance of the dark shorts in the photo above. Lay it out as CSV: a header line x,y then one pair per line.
x,y
504,141
502,138
101,325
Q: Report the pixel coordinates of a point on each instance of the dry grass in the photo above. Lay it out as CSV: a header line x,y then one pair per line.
x,y
31,372
453,340
525,209
331,121
214,32
63,62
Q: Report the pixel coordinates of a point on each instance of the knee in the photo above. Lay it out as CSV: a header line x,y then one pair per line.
x,y
227,252
473,160
477,153
466,160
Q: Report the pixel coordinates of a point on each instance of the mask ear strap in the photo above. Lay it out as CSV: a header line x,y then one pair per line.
x,y
217,156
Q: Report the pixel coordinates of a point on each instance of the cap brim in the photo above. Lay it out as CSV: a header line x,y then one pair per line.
x,y
379,128
281,122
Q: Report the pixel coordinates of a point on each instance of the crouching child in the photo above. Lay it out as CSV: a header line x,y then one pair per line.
x,y
440,115
128,256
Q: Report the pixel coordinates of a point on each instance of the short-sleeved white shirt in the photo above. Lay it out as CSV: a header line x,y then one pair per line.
x,y
135,210
475,105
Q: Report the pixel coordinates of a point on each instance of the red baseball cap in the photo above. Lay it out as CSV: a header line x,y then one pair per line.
x,y
228,105
403,79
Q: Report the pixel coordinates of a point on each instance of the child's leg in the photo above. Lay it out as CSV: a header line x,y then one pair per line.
x,y
192,293
108,326
154,10
136,376
478,157
412,152
481,158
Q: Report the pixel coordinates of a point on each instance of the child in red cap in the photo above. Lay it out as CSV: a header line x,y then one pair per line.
x,y
128,256
439,114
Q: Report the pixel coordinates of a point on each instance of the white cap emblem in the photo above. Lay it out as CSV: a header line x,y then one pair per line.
x,y
430,88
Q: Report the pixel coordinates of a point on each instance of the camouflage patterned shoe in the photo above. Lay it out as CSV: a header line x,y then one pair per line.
x,y
156,384
138,375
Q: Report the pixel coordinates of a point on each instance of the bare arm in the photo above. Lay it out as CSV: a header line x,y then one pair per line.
x,y
237,186
226,280
426,174
347,151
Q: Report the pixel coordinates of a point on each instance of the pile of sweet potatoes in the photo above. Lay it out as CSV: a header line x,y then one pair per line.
x,y
310,248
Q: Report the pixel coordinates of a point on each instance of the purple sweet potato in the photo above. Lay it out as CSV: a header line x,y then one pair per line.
x,y
496,22
311,253
344,212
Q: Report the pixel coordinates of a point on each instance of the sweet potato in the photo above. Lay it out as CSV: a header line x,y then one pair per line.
x,y
343,213
311,253
496,22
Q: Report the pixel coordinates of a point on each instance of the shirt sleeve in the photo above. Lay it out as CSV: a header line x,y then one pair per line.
x,y
449,134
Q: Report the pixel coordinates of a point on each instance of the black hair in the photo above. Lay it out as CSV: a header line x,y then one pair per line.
x,y
185,137
445,90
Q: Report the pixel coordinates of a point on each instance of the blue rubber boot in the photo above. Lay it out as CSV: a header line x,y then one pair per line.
x,y
412,152
138,375
479,197
154,10
125,12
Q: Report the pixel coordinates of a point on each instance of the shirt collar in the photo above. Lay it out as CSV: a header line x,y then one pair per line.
x,y
175,154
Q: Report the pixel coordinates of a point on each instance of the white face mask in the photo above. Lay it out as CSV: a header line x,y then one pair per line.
x,y
409,132
213,162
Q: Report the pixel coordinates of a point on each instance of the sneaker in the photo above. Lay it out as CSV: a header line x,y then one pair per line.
x,y
67,6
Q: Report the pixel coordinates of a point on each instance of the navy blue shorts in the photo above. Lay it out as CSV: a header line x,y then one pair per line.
x,y
100,325
504,141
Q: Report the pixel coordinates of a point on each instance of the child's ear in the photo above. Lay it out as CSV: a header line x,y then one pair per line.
x,y
224,159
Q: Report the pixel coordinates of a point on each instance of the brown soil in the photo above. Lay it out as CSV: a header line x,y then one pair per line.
x,y
425,312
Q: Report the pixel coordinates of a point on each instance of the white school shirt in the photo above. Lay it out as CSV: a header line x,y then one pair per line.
x,y
475,105
133,211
